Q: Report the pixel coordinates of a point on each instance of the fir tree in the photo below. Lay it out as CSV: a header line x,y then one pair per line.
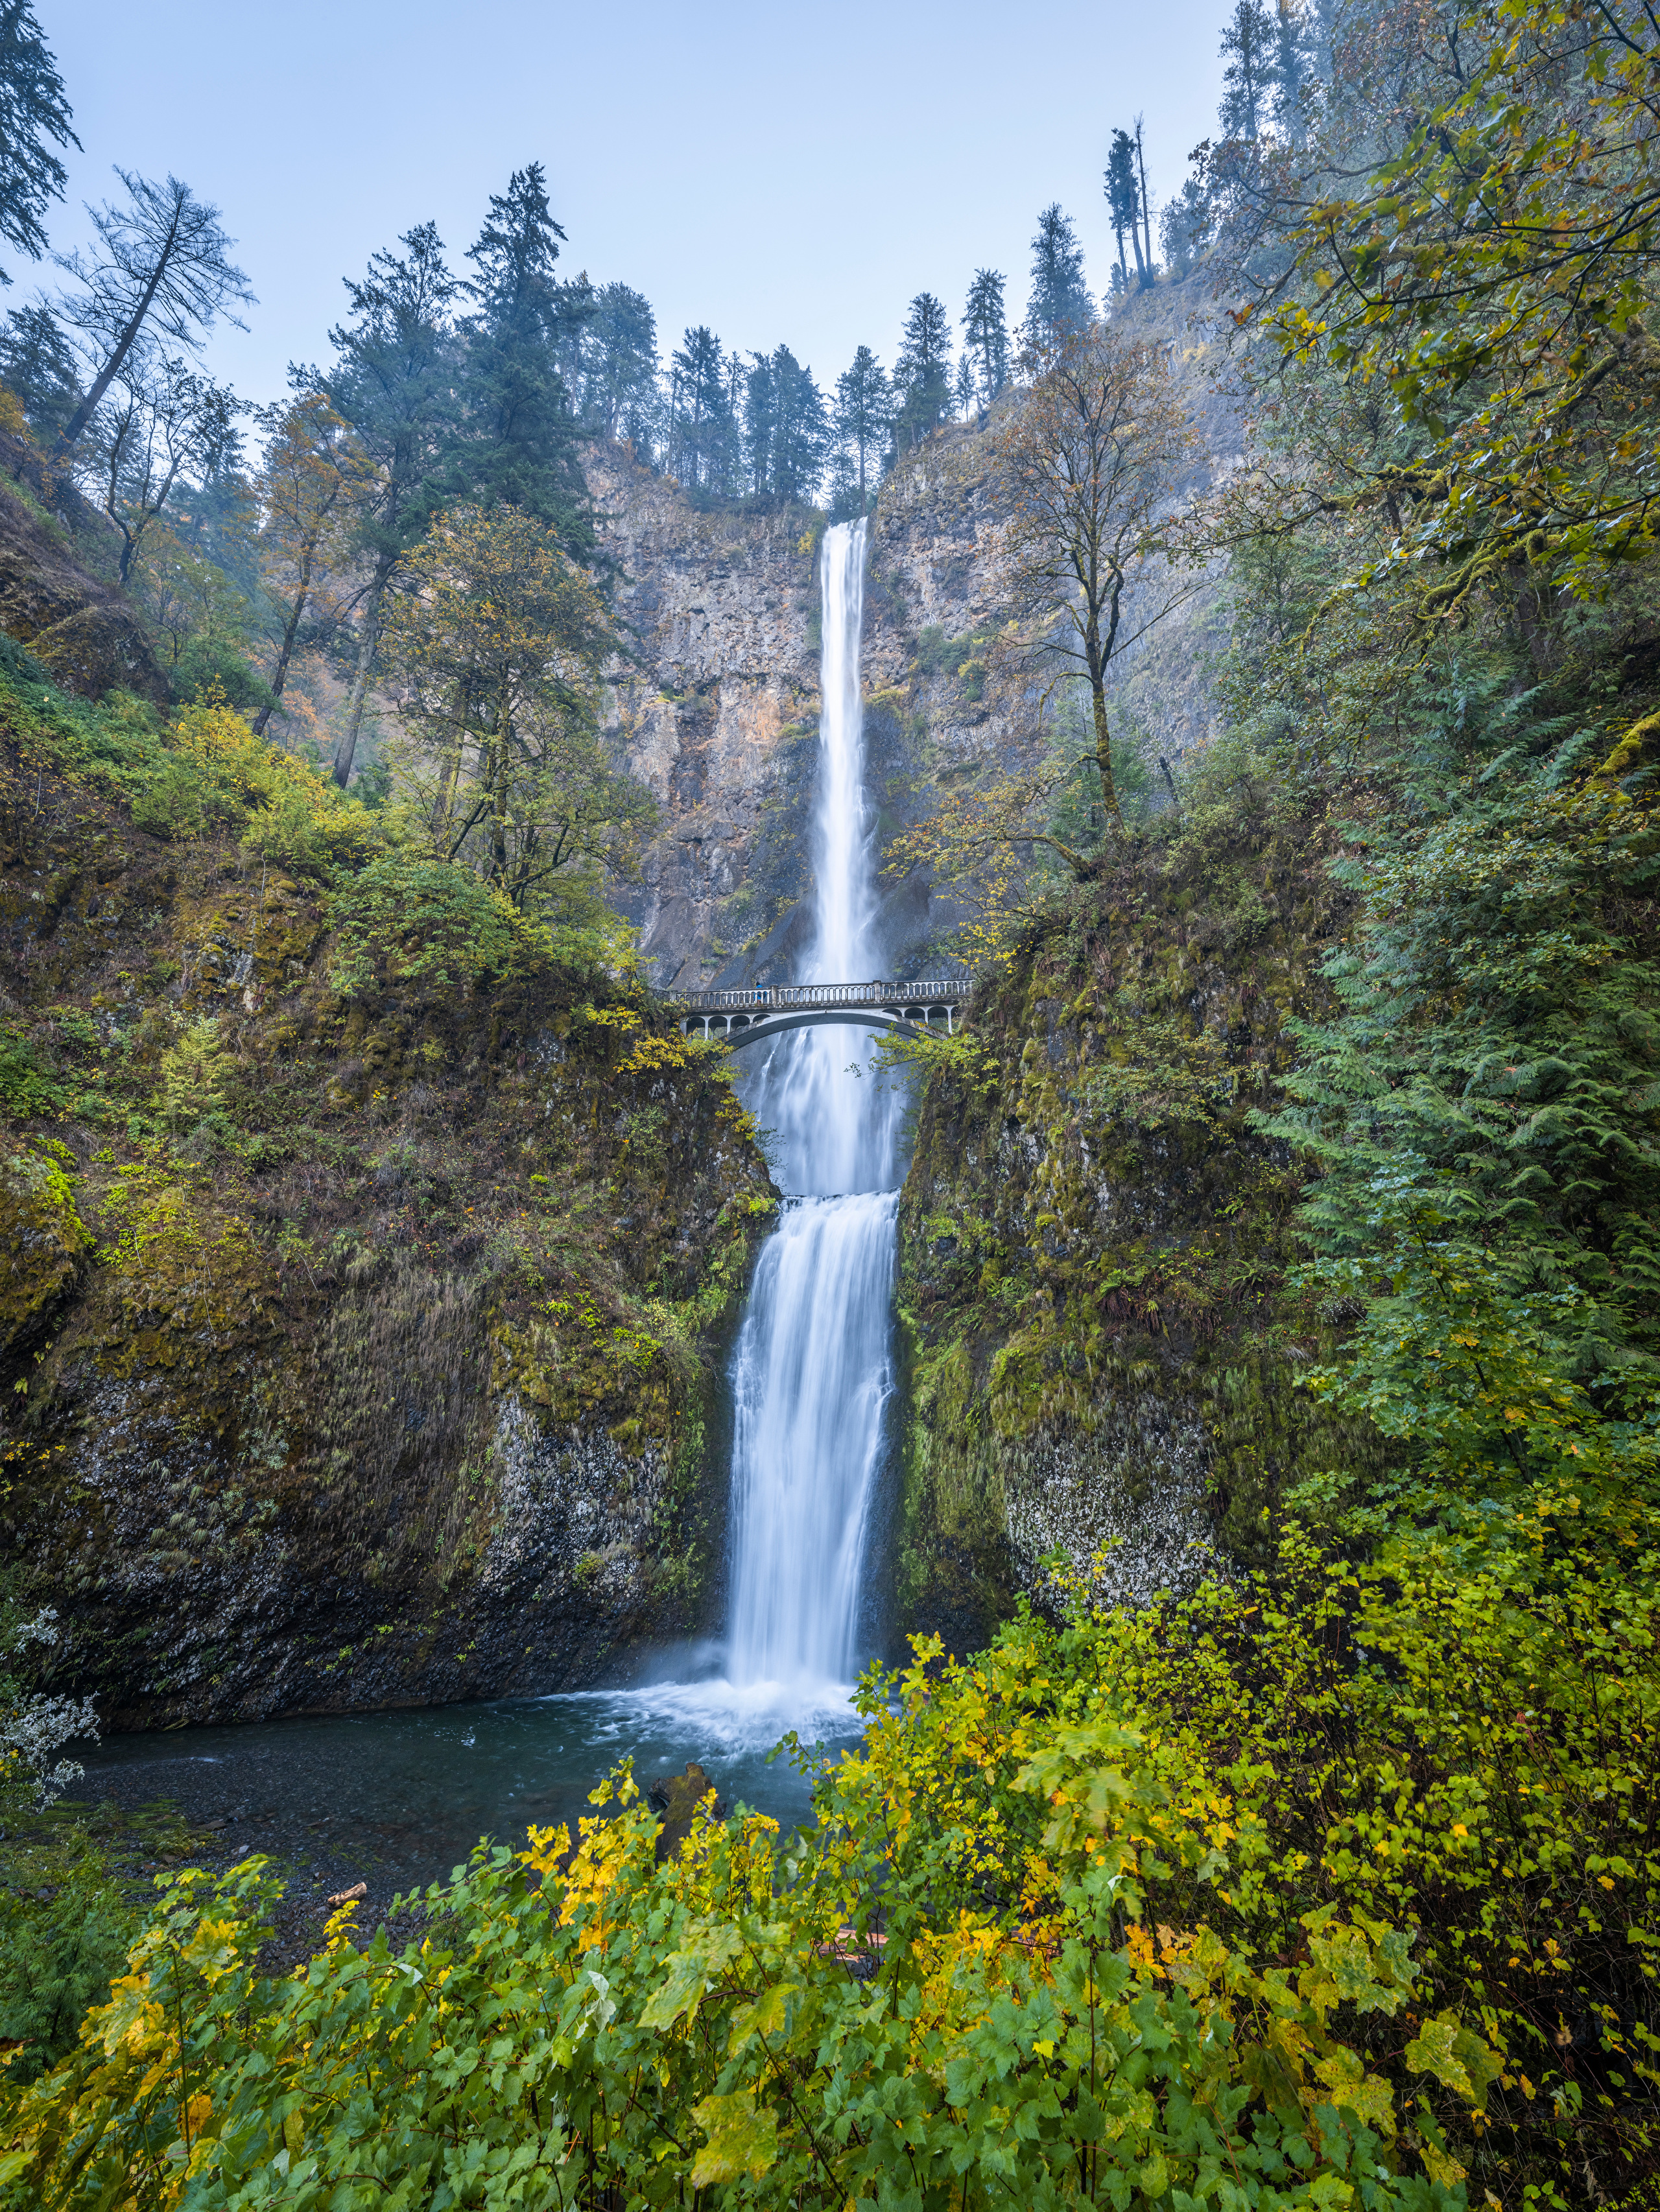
x,y
986,333
801,437
964,388
1249,78
518,447
619,391
33,109
1292,59
1184,227
864,416
702,433
1124,200
921,374
1060,298
393,384
37,363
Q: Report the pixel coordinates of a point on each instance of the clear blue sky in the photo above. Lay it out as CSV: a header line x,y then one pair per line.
x,y
781,172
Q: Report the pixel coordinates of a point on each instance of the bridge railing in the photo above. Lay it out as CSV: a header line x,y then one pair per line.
x,y
939,991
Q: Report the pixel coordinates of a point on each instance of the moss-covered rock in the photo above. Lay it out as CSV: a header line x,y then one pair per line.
x,y
385,1365
43,1240
1094,1239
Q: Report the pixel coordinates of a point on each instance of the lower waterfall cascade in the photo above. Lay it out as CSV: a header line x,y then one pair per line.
x,y
813,1373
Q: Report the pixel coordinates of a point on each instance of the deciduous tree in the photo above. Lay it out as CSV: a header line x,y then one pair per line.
x,y
497,646
162,420
1090,462
305,490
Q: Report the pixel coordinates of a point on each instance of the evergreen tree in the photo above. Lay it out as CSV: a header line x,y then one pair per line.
x,y
393,385
702,436
37,363
1185,226
1124,200
1146,202
986,333
1060,298
921,374
801,432
161,270
962,386
619,391
33,109
519,445
1249,79
1291,59
864,416
760,423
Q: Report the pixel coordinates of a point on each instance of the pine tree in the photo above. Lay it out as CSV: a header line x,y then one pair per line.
x,y
33,109
921,374
518,445
864,416
393,384
1060,298
986,334
964,389
1248,43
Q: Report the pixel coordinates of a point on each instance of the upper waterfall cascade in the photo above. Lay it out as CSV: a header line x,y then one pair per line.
x,y
812,1374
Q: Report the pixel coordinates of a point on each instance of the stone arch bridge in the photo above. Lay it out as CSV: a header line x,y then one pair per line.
x,y
741,1017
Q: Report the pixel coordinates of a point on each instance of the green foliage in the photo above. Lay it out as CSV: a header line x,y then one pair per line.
x,y
1486,1111
404,920
1330,1886
25,1087
62,1940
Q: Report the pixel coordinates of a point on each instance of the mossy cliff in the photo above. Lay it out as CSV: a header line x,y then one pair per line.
x,y
361,1318
1094,1242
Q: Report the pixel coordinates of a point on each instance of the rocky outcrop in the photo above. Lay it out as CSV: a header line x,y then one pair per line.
x,y
1094,1239
356,1350
78,624
717,708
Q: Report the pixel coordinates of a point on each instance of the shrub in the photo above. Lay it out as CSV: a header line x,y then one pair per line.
x,y
405,920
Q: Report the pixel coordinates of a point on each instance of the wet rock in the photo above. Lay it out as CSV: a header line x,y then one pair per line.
x,y
675,1799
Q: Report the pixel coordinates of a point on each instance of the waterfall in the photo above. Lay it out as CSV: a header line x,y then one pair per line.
x,y
812,1371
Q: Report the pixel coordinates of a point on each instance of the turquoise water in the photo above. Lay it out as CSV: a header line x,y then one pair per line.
x,y
399,1798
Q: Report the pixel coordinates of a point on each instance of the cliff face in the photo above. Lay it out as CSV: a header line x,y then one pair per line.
x,y
354,1349
717,712
1094,1241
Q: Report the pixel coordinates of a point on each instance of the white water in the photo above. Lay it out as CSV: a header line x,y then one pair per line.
x,y
813,1372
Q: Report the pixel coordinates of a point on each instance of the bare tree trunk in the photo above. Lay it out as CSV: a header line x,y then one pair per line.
x,y
1103,752
360,682
1147,209
84,413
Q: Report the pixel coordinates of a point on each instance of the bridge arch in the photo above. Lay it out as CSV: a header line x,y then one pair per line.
x,y
742,1029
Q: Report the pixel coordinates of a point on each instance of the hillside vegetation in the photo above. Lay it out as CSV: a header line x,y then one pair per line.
x,y
1267,1814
